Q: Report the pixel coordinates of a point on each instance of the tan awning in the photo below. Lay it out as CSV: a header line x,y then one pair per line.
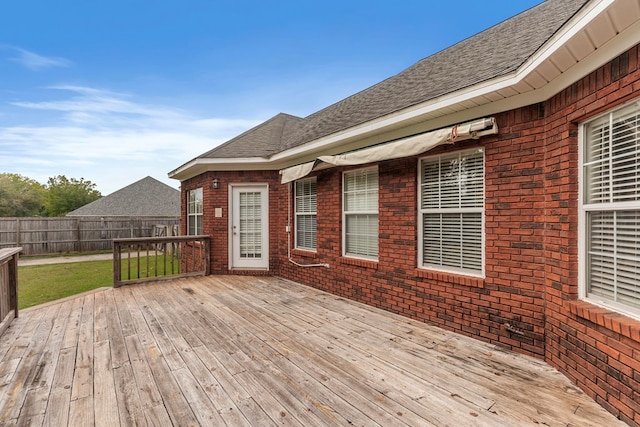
x,y
296,172
405,147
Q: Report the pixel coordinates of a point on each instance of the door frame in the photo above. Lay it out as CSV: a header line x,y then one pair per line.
x,y
234,264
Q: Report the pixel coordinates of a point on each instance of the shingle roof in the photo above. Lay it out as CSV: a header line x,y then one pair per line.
x,y
261,141
492,53
146,197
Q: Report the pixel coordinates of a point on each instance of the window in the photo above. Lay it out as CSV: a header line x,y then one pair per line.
x,y
452,212
360,213
250,224
305,217
194,212
610,209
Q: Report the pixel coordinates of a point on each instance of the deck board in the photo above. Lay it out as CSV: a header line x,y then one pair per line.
x,y
232,350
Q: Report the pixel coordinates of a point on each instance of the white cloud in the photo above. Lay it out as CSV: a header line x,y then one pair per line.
x,y
109,138
36,62
91,100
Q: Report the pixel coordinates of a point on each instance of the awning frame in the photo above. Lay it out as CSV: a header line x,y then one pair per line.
x,y
399,148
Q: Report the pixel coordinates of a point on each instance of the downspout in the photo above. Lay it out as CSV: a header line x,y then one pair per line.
x,y
289,234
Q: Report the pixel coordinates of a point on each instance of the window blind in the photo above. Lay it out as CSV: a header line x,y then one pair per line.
x,y
611,200
305,214
360,206
194,212
452,208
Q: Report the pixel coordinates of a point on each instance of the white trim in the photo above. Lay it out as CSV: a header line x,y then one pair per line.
x,y
584,208
344,216
262,187
582,218
437,112
195,215
482,210
200,165
296,214
578,23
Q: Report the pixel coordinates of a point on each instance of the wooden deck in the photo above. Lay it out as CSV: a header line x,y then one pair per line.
x,y
237,351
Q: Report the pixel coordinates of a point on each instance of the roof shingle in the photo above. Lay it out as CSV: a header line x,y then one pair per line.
x,y
146,197
492,53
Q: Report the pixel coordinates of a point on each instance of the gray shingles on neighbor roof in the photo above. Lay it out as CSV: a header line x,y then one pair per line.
x,y
492,53
146,197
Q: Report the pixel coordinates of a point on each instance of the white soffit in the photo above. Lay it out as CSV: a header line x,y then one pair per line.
x,y
548,71
597,34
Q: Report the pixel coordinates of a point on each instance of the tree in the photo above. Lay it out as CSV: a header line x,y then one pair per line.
x,y
65,195
21,196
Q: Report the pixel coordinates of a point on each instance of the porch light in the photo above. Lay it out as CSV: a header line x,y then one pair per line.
x,y
215,184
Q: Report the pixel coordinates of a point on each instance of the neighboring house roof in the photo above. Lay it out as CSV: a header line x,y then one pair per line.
x,y
147,197
514,63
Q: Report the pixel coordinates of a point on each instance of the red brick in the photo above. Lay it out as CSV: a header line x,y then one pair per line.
x,y
531,213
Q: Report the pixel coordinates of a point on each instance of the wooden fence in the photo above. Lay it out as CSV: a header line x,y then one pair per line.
x,y
8,286
39,236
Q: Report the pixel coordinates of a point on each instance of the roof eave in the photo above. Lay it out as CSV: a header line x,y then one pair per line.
x,y
201,165
483,99
536,80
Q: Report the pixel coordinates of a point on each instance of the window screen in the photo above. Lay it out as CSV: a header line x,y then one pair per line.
x,y
194,212
452,209
360,208
305,210
611,204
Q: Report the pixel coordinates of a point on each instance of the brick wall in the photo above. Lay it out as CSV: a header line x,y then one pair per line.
x,y
528,300
597,348
217,227
507,307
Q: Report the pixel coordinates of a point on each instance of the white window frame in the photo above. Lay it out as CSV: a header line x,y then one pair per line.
x,y
369,214
195,211
584,209
308,210
450,210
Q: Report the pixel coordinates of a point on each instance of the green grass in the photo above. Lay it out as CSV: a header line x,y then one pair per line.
x,y
151,267
38,284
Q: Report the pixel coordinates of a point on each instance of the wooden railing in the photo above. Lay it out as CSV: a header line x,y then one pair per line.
x,y
8,286
159,258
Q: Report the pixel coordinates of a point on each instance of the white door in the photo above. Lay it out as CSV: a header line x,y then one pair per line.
x,y
249,227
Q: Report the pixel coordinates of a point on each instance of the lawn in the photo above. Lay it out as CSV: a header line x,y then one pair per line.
x,y
38,284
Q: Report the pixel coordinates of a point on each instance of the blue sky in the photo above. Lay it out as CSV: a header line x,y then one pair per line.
x,y
113,91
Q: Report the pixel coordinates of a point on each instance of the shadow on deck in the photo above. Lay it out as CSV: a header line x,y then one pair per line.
x,y
231,350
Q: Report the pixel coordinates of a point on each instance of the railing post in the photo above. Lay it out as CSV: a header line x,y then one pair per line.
x,y
8,287
117,265
13,284
207,256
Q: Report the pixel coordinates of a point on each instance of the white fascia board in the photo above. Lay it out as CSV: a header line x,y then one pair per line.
x,y
200,165
605,53
574,26
620,44
433,108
